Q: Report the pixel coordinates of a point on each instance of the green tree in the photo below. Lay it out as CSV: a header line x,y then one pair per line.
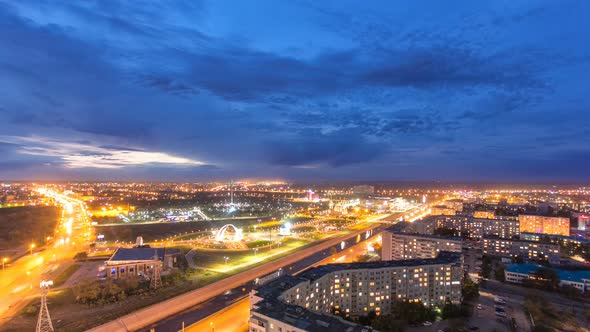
x,y
388,323
500,273
412,312
486,266
470,289
546,279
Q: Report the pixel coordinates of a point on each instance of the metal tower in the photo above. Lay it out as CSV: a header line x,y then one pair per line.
x,y
44,320
156,281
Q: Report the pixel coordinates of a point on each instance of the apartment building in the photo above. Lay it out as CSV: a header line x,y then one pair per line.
x,y
527,250
544,225
355,289
396,246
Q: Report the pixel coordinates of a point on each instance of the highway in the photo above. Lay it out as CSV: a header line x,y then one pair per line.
x,y
216,309
153,314
19,283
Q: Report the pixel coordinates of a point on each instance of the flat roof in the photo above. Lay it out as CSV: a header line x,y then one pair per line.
x,y
304,319
141,254
567,275
444,257
492,237
564,237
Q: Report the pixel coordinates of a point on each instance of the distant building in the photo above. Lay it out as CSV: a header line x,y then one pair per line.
x,y
442,210
455,204
363,190
502,228
544,225
484,214
469,227
558,239
139,262
398,246
311,196
527,250
303,303
517,273
583,222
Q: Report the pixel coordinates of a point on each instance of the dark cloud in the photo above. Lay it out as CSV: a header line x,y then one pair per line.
x,y
323,87
340,148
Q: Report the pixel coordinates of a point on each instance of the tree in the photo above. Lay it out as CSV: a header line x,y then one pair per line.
x,y
470,289
388,323
499,273
545,278
486,266
412,312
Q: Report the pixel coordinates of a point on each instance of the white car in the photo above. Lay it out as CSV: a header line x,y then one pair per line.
x,y
427,323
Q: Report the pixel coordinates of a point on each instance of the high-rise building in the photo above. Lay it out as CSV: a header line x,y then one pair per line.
x,y
455,204
397,246
442,210
527,250
469,227
484,214
544,225
354,290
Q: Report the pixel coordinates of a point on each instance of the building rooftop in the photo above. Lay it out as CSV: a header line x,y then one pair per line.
x,y
141,254
567,275
305,319
444,257
276,287
562,237
430,236
494,237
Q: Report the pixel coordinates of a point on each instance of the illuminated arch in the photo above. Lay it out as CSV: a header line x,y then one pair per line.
x,y
220,235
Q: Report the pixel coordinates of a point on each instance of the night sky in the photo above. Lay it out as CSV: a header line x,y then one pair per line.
x,y
299,90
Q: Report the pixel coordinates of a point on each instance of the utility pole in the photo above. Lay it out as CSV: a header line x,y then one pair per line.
x,y
156,281
44,320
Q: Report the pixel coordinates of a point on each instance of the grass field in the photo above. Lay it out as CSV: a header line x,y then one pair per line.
x,y
215,260
26,224
65,275
258,243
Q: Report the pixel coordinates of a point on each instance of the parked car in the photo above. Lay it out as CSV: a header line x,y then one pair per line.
x,y
427,323
500,313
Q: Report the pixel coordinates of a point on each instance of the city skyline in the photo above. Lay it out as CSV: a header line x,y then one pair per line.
x,y
301,91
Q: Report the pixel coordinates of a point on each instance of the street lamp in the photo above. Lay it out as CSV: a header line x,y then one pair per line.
x,y
4,260
212,326
225,258
32,247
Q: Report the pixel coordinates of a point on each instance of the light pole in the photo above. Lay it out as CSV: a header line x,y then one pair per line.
x,y
212,326
225,258
4,260
32,247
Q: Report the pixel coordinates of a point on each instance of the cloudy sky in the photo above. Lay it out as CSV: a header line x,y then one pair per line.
x,y
301,90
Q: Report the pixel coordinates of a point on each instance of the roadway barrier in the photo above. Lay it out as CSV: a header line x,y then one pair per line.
x,y
159,311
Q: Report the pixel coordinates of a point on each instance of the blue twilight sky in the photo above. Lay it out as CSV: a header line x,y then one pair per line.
x,y
302,90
